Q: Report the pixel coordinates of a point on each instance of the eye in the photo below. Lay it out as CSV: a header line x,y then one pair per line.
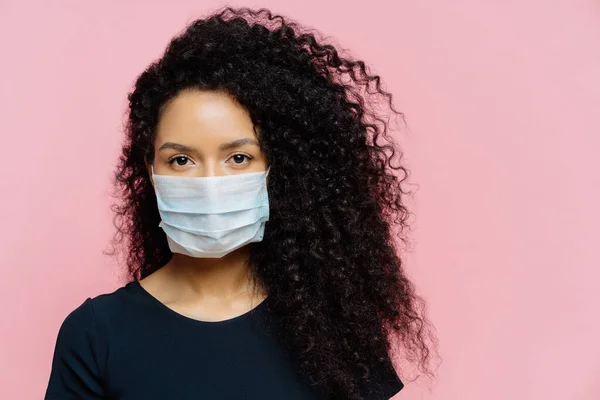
x,y
180,160
239,158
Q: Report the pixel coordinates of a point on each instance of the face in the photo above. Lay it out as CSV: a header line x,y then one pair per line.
x,y
203,134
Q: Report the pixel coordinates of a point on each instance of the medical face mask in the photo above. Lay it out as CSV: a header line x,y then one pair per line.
x,y
212,216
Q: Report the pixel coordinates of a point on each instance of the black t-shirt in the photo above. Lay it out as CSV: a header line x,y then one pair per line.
x,y
127,345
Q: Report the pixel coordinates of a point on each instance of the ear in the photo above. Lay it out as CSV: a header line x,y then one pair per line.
x,y
149,170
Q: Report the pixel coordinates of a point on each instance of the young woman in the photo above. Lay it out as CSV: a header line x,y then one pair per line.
x,y
258,208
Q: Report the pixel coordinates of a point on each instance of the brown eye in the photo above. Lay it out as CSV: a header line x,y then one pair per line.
x,y
179,160
239,158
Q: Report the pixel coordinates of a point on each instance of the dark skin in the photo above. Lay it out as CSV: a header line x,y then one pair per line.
x,y
204,134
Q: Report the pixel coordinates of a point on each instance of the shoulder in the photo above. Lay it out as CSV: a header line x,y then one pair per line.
x,y
84,315
385,383
80,352
79,323
86,320
113,303
86,325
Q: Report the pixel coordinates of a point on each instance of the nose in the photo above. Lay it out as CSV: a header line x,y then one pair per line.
x,y
211,170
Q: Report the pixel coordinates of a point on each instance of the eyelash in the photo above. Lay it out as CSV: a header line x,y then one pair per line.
x,y
175,157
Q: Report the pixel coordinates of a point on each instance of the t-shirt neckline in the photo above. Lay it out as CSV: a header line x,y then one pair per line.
x,y
135,285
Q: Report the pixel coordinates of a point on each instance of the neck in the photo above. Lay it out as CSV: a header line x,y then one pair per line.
x,y
224,278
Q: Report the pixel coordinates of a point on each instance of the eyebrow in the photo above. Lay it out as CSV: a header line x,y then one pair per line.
x,y
238,143
176,146
224,146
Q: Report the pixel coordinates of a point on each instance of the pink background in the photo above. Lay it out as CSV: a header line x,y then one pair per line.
x,y
503,102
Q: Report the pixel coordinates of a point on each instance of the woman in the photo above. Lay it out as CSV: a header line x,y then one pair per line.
x,y
257,207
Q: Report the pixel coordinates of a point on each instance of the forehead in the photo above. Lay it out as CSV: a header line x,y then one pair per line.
x,y
198,116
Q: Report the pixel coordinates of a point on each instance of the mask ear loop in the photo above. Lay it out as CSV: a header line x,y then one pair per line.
x,y
267,173
152,175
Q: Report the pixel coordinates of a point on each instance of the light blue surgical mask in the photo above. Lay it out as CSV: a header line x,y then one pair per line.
x,y
212,216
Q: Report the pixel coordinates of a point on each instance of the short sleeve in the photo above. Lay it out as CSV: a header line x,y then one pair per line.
x,y
75,372
389,384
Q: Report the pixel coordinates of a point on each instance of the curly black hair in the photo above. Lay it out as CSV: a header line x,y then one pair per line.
x,y
330,256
